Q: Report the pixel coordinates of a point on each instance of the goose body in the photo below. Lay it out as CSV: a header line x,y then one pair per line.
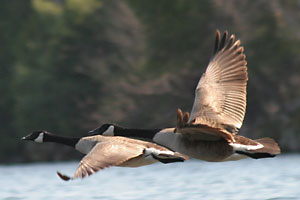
x,y
105,151
210,131
199,149
205,148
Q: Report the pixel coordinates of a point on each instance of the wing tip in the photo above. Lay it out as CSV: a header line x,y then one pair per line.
x,y
218,35
182,118
63,177
179,118
183,156
225,42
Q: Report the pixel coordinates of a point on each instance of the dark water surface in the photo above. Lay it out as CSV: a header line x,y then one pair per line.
x,y
276,178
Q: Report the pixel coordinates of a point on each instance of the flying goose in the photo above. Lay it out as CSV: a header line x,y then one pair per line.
x,y
106,151
210,132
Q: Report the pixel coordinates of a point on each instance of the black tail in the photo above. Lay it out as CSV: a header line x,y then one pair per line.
x,y
166,158
270,149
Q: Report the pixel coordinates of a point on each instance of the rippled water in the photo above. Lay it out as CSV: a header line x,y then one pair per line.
x,y
277,178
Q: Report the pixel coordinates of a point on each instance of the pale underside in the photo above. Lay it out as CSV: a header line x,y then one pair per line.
x,y
120,151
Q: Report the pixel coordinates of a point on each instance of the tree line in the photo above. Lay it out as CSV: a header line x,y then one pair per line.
x,y
68,66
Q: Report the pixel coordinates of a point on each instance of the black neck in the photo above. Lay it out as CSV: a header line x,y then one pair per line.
x,y
147,134
69,141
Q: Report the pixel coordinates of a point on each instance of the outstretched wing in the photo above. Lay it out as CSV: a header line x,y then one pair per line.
x,y
220,96
105,154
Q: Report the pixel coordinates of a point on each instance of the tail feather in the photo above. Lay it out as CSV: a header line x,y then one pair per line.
x,y
167,158
270,146
270,149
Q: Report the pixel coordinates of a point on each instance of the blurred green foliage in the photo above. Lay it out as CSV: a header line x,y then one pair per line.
x,y
69,65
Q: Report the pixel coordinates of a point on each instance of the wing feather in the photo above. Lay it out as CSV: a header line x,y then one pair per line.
x,y
220,96
103,155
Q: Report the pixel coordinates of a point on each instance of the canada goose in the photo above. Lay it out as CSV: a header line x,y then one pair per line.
x,y
210,131
106,151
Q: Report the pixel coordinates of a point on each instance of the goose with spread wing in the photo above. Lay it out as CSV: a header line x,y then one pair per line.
x,y
104,151
210,132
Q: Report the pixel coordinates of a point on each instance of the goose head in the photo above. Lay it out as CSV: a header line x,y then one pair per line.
x,y
36,136
105,129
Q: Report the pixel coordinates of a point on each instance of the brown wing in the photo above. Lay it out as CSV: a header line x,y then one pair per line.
x,y
105,154
220,96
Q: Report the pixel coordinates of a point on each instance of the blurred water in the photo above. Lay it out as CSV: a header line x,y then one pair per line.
x,y
272,179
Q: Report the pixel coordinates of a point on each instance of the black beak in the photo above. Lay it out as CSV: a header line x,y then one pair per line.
x,y
91,132
94,132
25,138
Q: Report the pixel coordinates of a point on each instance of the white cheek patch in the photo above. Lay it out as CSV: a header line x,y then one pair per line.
x,y
39,139
109,131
